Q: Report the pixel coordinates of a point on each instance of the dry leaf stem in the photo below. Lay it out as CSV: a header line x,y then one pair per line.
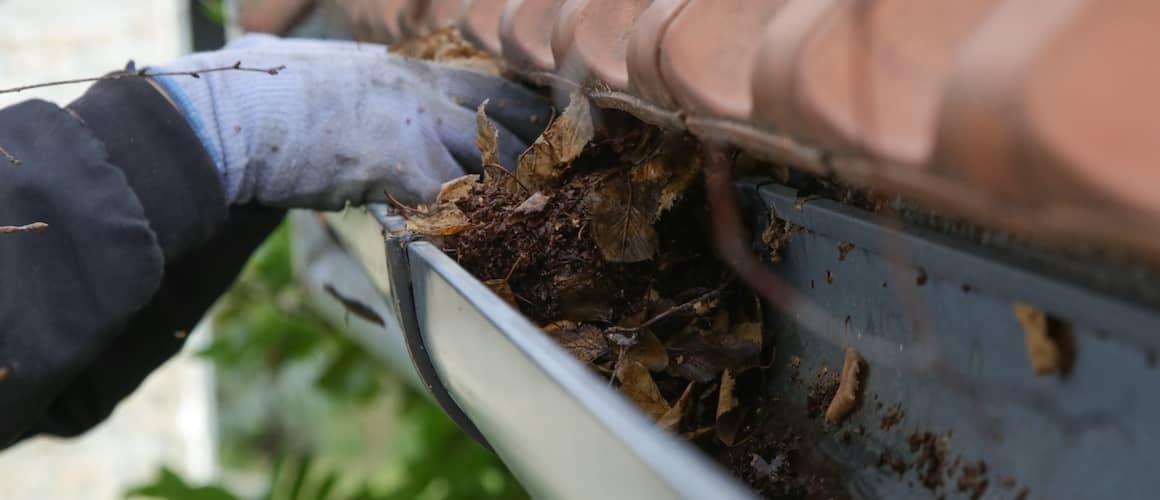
x,y
27,228
687,306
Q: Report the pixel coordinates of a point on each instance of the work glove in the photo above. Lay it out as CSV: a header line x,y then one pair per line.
x,y
342,122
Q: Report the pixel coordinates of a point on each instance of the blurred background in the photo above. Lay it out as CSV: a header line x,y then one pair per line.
x,y
268,400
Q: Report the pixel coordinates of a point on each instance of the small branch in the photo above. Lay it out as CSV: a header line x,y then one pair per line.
x,y
27,228
8,156
687,306
144,73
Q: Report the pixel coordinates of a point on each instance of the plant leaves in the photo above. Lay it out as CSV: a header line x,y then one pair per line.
x,y
487,137
622,220
1050,341
637,384
585,342
457,189
671,420
728,410
443,219
564,139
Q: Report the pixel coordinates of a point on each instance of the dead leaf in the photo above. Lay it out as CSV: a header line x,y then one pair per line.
x,y
564,139
502,288
649,351
683,167
622,222
637,384
770,470
457,189
584,296
487,137
732,339
849,388
443,219
533,205
1050,341
671,420
728,411
585,342
448,47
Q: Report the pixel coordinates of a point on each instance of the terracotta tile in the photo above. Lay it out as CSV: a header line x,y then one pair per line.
x,y
412,18
644,71
979,126
869,75
387,18
707,54
778,56
1090,103
526,32
443,13
592,36
479,23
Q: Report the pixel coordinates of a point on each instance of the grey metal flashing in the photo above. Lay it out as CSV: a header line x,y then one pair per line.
x,y
1087,435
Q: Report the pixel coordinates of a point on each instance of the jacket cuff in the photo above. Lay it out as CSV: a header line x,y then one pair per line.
x,y
165,164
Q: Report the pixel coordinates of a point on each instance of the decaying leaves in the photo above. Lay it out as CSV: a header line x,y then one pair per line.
x,y
564,139
648,351
849,388
671,420
1050,341
447,46
487,136
443,219
533,205
622,221
502,288
638,385
730,338
585,342
728,410
457,189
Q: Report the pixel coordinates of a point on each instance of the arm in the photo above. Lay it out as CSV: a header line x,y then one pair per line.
x,y
155,195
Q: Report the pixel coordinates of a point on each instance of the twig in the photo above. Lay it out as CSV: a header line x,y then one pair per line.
x,y
144,73
27,228
8,156
687,306
130,72
508,173
399,205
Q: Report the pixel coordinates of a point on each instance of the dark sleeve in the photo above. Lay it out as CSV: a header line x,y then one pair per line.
x,y
139,243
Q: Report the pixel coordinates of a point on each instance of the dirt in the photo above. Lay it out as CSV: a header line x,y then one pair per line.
x,y
931,451
893,417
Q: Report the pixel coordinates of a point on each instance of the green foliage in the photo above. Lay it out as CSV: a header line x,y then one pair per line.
x,y
214,10
308,412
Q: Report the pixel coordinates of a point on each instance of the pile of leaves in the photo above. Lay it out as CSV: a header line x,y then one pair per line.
x,y
600,236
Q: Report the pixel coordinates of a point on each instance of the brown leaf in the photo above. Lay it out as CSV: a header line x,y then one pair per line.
x,y
564,139
671,420
487,137
533,205
622,222
1050,341
849,388
502,288
637,384
457,189
649,351
584,296
732,340
683,170
585,342
728,411
443,219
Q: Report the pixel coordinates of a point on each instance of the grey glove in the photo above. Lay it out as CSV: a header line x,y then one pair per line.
x,y
343,122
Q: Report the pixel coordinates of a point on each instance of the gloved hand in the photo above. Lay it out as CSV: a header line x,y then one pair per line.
x,y
343,122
